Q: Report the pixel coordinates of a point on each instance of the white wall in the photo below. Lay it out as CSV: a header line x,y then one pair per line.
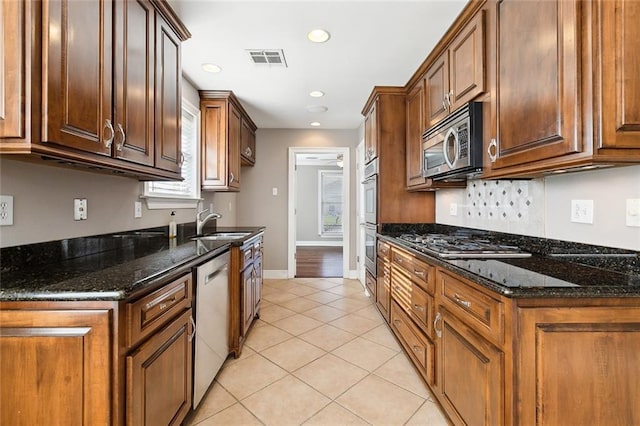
x,y
307,198
256,204
547,213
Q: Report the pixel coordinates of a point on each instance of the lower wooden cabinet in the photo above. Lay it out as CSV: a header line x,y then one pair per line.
x,y
383,289
55,365
159,376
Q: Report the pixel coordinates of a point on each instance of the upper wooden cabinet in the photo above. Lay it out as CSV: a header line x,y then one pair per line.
x,y
458,75
371,132
415,128
227,140
572,100
108,99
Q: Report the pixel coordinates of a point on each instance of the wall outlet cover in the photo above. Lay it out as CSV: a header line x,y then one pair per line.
x,y
582,211
453,209
6,210
137,209
79,209
633,212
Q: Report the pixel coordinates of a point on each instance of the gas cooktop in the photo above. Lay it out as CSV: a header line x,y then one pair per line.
x,y
461,246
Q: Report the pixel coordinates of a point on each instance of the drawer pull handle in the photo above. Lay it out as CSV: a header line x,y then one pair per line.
x,y
163,306
492,150
417,349
435,324
162,303
418,273
397,323
193,324
418,307
462,302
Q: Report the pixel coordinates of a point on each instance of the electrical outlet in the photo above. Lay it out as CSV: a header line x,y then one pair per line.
x,y
582,211
6,210
79,209
137,210
453,209
274,191
633,212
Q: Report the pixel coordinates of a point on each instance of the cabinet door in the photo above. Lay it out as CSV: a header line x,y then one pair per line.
x,y
467,53
159,376
619,65
168,98
257,285
213,144
134,81
578,366
471,374
246,281
371,133
383,289
234,147
77,79
15,71
436,89
248,144
538,114
56,367
415,127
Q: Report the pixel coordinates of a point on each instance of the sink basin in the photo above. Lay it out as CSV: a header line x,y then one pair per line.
x,y
222,236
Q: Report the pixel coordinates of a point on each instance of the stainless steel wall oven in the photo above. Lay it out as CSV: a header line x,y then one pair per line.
x,y
370,215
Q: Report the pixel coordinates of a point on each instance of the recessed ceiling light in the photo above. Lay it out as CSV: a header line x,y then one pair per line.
x,y
315,124
316,94
318,35
316,108
212,68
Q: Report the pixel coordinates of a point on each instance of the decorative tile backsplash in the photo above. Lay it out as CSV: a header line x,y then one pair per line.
x,y
515,206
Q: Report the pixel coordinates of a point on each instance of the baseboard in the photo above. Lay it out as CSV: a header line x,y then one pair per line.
x,y
353,274
328,243
275,274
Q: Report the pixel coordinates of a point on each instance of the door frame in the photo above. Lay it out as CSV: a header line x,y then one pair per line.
x,y
291,209
360,212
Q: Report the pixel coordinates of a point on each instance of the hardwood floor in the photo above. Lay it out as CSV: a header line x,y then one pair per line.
x,y
318,262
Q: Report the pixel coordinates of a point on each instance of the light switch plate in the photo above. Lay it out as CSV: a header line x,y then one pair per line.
x,y
582,211
137,209
453,209
633,212
6,210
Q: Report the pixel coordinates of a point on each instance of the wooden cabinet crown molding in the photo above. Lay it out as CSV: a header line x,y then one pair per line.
x,y
381,90
172,19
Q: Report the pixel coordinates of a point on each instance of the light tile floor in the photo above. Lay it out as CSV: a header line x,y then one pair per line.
x,y
320,354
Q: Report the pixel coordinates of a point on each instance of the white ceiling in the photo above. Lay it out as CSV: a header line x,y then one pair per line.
x,y
372,43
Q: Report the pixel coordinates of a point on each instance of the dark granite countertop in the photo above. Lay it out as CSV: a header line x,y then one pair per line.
x,y
106,267
555,269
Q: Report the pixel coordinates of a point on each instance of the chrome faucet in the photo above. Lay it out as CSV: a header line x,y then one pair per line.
x,y
200,222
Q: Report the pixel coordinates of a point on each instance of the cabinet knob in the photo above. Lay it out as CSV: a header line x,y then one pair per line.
x,y
492,150
108,126
123,137
248,151
418,307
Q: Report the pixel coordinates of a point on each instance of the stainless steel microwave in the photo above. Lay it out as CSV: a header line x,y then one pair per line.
x,y
452,149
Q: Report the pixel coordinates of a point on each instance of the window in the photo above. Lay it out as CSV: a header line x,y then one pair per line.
x,y
330,203
186,193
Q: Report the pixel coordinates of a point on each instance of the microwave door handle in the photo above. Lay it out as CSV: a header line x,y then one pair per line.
x,y
453,133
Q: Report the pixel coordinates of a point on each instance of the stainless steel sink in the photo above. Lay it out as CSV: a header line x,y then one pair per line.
x,y
222,236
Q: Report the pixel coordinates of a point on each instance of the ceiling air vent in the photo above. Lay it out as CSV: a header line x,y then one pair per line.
x,y
273,57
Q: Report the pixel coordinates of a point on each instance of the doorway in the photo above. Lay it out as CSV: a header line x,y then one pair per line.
x,y
319,212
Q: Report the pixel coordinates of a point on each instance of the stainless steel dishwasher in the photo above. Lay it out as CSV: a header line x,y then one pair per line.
x,y
212,323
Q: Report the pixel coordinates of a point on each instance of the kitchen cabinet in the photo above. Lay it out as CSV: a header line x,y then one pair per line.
x,y
222,139
109,100
370,282
383,281
55,363
457,76
385,130
580,108
245,290
247,142
99,362
15,75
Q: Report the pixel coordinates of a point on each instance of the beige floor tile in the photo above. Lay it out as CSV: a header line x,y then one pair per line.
x,y
349,304
293,353
327,337
301,290
249,375
380,402
354,324
353,284
334,415
236,415
216,400
383,336
320,283
323,297
331,375
428,414
300,304
297,324
286,402
346,291
371,312
325,313
265,303
246,353
274,313
261,338
364,353
279,297
399,371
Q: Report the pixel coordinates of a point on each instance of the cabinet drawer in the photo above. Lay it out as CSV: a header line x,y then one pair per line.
x,y
384,250
419,271
422,307
147,314
370,281
418,347
246,257
483,313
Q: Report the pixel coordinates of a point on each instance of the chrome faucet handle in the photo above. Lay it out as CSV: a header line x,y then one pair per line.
x,y
199,214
